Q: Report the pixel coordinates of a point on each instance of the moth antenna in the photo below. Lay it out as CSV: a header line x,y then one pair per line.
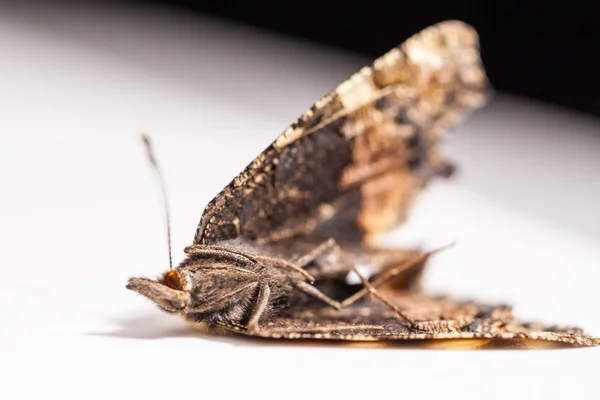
x,y
163,191
440,249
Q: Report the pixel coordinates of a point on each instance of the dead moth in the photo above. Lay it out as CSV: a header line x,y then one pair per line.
x,y
273,250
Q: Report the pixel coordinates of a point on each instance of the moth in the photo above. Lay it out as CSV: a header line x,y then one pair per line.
x,y
274,249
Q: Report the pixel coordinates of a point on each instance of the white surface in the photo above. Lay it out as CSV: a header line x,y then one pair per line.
x,y
80,214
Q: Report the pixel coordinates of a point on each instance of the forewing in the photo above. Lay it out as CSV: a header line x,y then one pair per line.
x,y
354,162
439,318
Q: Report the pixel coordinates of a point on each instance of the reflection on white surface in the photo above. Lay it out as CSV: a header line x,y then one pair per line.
x,y
80,212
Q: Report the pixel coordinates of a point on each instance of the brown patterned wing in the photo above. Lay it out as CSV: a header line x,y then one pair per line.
x,y
354,162
439,318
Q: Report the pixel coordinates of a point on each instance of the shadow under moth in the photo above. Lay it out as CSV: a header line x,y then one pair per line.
x,y
273,250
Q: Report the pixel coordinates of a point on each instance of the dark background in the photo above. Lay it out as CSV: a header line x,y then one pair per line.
x,y
547,51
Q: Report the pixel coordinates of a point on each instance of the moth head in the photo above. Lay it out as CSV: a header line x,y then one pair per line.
x,y
171,292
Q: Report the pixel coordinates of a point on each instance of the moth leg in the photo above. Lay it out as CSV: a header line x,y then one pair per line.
x,y
227,269
222,252
317,294
242,258
386,276
237,295
332,246
282,263
315,253
264,291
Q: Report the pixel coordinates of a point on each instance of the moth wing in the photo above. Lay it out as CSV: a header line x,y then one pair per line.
x,y
439,318
354,162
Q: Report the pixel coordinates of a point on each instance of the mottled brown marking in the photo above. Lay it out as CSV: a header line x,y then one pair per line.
x,y
440,318
263,260
347,141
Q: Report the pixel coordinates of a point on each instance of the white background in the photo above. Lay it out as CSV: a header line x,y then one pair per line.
x,y
79,214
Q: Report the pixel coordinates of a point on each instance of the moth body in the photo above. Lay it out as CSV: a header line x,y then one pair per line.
x,y
222,286
347,169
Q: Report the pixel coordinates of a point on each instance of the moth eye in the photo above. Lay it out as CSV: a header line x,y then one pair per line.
x,y
174,280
